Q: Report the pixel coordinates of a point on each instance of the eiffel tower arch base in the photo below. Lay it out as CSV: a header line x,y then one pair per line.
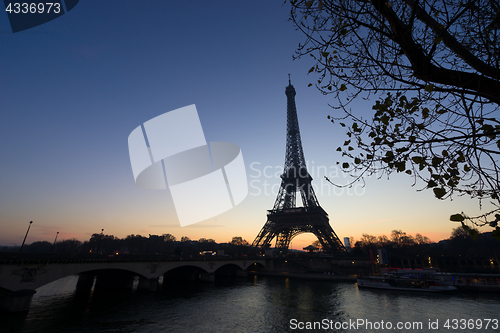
x,y
285,224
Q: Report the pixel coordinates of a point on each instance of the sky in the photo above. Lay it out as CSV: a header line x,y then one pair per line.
x,y
73,89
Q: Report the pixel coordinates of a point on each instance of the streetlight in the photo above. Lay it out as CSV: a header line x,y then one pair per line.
x,y
99,244
147,247
25,236
54,242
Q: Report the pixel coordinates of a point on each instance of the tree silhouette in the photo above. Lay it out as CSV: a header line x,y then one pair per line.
x,y
238,240
433,68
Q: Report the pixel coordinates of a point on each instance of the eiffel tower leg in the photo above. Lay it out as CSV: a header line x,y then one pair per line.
x,y
329,239
283,240
265,236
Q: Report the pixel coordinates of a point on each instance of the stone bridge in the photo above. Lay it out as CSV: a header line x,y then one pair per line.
x,y
20,277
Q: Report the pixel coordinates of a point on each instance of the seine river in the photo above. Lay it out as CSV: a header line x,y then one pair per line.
x,y
256,304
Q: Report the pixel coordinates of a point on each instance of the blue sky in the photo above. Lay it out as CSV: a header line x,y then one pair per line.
x,y
73,89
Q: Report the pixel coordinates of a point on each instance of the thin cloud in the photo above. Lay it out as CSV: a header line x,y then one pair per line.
x,y
393,219
190,226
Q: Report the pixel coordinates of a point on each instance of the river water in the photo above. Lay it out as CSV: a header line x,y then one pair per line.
x,y
255,304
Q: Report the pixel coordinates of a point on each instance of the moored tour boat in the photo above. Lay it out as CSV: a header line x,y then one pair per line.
x,y
402,283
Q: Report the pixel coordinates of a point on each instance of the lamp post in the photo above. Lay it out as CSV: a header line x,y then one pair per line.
x,y
147,247
54,242
99,244
25,236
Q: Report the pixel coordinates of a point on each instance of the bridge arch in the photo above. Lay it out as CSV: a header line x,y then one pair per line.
x,y
256,266
186,272
230,270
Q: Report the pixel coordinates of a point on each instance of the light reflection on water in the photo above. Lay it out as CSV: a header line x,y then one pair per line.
x,y
256,304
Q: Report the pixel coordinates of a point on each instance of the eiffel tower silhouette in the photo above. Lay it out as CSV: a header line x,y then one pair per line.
x,y
285,220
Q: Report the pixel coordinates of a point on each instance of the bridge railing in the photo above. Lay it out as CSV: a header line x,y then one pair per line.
x,y
12,258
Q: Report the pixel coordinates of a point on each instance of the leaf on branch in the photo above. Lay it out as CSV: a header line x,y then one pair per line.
x,y
431,184
438,40
310,84
339,149
439,192
343,87
457,218
385,120
401,166
425,113
429,88
311,70
345,165
417,159
436,161
487,128
357,160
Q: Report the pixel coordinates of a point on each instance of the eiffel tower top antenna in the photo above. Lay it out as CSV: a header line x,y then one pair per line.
x,y
289,82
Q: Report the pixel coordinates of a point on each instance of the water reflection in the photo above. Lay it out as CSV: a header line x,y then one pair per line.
x,y
250,305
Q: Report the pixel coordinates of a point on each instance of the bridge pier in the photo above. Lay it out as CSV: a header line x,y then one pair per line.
x,y
16,301
114,280
147,284
241,273
85,282
207,277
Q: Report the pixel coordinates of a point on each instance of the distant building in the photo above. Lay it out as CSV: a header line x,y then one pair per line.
x,y
347,244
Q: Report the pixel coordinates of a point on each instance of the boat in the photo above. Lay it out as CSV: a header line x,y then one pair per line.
x,y
461,281
396,279
470,281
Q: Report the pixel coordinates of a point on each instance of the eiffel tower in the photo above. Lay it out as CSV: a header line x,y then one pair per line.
x,y
285,220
